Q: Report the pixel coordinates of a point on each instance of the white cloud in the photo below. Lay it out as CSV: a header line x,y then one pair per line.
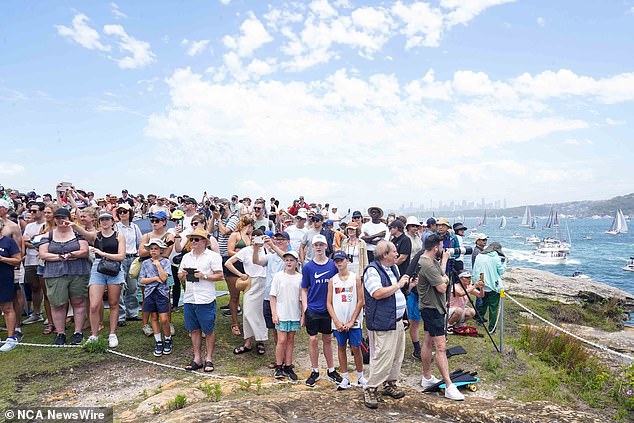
x,y
116,11
11,169
465,11
195,47
253,35
82,33
225,2
541,21
141,52
423,24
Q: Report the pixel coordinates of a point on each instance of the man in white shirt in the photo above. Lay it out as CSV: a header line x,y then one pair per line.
x,y
374,231
297,231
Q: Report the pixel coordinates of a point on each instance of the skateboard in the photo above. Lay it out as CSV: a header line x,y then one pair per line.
x,y
469,384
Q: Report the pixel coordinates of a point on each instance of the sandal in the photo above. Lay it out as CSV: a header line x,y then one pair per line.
x,y
194,366
242,349
235,329
260,348
48,329
209,367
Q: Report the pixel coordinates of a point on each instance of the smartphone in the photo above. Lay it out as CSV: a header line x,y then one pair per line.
x,y
63,186
258,240
190,274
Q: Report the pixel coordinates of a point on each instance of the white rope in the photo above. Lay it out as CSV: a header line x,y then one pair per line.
x,y
26,344
601,347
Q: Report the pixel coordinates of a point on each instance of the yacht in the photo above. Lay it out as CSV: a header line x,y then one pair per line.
x,y
630,265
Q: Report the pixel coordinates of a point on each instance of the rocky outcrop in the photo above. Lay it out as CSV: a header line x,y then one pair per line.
x,y
535,283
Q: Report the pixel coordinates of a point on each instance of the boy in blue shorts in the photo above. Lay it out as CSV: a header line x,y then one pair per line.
x,y
344,306
154,274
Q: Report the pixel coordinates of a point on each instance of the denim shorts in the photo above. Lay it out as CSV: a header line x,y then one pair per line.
x,y
97,278
433,321
156,303
288,326
354,336
412,307
200,317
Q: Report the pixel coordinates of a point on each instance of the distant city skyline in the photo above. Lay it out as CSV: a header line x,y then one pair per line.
x,y
352,103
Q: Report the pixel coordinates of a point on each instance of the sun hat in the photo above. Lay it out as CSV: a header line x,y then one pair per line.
x,y
376,208
481,237
412,220
156,241
443,221
199,232
495,246
459,226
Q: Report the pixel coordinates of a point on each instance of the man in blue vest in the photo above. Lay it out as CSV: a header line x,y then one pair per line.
x,y
384,308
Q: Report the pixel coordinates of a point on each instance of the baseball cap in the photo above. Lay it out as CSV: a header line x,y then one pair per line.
x,y
339,255
292,253
431,221
356,214
482,236
159,215
302,215
4,203
105,215
465,274
282,234
319,238
62,212
459,226
396,224
328,222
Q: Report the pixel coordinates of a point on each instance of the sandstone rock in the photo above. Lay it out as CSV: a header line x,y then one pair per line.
x,y
161,400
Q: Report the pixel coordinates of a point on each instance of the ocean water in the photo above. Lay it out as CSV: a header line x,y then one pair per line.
x,y
601,258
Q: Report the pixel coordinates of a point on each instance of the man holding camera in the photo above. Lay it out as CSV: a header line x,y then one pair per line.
x,y
189,207
432,287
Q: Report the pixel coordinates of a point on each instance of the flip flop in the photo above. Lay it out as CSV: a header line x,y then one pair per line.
x,y
193,366
209,367
48,329
242,349
235,329
260,347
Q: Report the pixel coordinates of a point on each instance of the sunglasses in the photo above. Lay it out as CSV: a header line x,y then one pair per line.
x,y
194,239
196,223
34,211
257,208
120,211
155,220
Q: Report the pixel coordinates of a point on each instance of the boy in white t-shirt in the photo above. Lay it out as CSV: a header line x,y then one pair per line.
x,y
286,311
345,301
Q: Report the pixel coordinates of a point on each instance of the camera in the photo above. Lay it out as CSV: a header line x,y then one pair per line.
x,y
460,250
221,209
350,258
212,207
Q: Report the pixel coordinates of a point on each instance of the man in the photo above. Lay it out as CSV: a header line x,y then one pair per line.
x,y
315,276
373,231
31,260
259,210
125,198
480,245
449,240
160,206
128,300
329,233
306,252
297,231
430,228
402,243
458,229
492,262
432,288
227,221
235,204
200,297
384,309
190,208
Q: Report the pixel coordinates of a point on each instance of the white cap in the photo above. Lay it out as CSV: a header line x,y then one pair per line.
x,y
4,203
291,253
319,238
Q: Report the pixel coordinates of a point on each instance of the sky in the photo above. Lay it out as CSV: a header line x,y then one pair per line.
x,y
353,103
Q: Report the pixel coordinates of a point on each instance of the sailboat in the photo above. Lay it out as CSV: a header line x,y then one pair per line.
x,y
619,224
483,222
553,219
527,220
503,222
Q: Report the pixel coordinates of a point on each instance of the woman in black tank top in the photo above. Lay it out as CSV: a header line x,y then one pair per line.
x,y
109,245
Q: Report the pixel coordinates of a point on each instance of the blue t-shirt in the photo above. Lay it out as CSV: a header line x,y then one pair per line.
x,y
148,270
315,277
8,248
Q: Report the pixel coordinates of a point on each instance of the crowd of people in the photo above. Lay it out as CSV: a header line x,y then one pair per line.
x,y
305,266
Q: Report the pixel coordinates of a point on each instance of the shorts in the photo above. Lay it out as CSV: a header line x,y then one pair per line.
x,y
40,270
354,336
200,317
97,278
268,316
288,326
60,289
156,303
413,312
433,321
317,323
30,275
7,292
461,310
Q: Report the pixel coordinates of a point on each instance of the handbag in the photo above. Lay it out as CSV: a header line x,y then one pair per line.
x,y
109,267
135,269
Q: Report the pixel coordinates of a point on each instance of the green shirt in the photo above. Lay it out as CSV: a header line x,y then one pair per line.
x,y
429,276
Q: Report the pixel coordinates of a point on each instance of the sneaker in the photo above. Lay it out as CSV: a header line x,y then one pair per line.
x,y
60,339
147,330
227,312
9,344
158,349
33,318
370,398
92,339
113,341
343,385
453,393
18,335
224,307
416,354
167,347
76,338
133,319
334,377
450,329
312,379
121,323
279,373
428,383
390,389
362,382
288,370
172,330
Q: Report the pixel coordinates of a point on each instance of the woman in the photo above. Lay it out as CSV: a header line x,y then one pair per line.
x,y
140,207
355,249
128,301
292,210
49,225
109,245
411,230
66,274
246,209
238,239
9,258
85,225
253,321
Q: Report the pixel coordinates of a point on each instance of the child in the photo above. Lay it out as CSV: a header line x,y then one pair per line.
x,y
345,301
154,274
287,314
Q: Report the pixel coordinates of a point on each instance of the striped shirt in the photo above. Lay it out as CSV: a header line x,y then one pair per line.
x,y
372,282
231,223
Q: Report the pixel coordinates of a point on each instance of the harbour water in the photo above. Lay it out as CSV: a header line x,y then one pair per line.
x,y
602,258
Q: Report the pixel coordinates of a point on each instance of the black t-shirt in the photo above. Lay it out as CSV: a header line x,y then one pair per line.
x,y
403,247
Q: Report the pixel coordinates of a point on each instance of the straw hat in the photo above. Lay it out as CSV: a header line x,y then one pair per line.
x,y
200,233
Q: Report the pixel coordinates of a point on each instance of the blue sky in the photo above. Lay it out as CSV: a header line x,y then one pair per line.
x,y
356,103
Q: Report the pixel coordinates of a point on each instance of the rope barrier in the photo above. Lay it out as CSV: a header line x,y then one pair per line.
x,y
43,345
601,347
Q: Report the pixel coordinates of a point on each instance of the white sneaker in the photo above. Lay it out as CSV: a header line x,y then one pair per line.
x,y
113,341
92,339
9,344
344,384
33,318
147,330
453,393
362,382
428,383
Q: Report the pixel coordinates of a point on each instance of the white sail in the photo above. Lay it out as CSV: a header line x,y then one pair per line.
x,y
503,222
619,224
527,219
